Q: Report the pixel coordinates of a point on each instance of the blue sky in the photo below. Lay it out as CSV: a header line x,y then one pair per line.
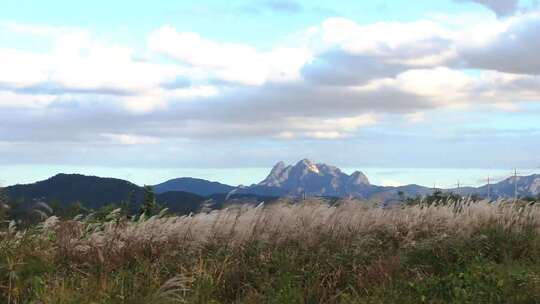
x,y
121,88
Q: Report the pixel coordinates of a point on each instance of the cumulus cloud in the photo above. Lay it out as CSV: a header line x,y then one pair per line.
x,y
229,62
506,90
86,90
417,41
285,111
440,83
77,63
342,68
514,49
356,54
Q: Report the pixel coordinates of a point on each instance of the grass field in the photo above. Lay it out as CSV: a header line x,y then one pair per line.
x,y
283,253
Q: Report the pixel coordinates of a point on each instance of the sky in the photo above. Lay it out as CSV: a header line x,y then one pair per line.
x,y
147,90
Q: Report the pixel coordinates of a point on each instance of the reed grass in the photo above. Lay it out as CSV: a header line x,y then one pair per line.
x,y
310,252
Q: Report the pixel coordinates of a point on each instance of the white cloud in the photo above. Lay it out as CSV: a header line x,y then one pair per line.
x,y
511,47
130,139
20,69
435,82
160,98
325,128
325,135
504,88
348,78
9,99
355,54
440,86
78,63
372,89
420,42
236,63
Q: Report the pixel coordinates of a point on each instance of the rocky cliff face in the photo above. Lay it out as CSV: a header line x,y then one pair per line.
x,y
314,179
534,186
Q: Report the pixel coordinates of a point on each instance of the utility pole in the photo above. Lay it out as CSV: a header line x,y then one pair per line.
x,y
458,188
515,185
489,188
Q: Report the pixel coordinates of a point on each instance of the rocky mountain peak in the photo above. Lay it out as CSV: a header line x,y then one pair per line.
x,y
277,176
278,168
311,178
358,178
309,165
534,186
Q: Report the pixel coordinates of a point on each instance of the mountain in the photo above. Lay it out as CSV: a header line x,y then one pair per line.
x,y
315,179
91,191
526,186
194,185
185,195
96,192
181,202
307,177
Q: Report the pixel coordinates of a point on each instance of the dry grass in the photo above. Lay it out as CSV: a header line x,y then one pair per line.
x,y
247,254
283,222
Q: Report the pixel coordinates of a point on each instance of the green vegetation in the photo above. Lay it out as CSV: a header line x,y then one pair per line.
x,y
4,208
150,206
438,197
284,253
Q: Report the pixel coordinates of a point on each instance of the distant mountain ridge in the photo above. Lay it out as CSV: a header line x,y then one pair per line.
x,y
526,186
92,191
184,195
208,188
96,192
309,178
194,185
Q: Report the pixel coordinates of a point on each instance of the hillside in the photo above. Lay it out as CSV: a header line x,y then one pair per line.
x,y
526,186
96,192
91,191
194,185
185,195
